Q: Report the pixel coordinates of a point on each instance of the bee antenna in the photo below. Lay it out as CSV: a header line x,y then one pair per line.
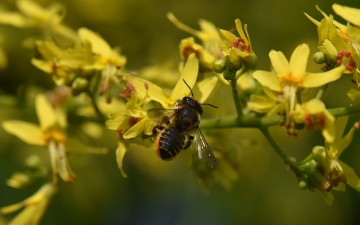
x,y
192,94
210,105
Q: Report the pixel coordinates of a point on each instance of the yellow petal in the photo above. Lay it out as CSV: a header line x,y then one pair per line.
x,y
98,44
31,9
135,130
298,60
328,131
340,125
181,26
353,94
240,30
268,79
327,196
42,65
14,19
227,36
210,31
45,112
345,141
49,50
280,63
352,178
350,14
312,19
122,148
203,89
154,92
28,132
189,74
260,103
319,79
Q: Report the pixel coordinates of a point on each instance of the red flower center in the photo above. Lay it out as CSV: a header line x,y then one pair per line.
x,y
314,122
344,58
240,44
188,50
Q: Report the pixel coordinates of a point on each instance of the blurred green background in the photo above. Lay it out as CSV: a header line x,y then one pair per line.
x,y
168,193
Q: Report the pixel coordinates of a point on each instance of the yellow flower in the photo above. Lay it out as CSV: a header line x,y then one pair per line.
x,y
209,34
51,134
48,20
34,206
238,49
109,62
315,115
64,65
290,76
188,46
336,45
335,173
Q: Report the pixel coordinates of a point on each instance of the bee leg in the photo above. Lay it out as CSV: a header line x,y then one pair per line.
x,y
154,131
187,141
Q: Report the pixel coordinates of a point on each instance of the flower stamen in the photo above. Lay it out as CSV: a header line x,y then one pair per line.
x,y
344,58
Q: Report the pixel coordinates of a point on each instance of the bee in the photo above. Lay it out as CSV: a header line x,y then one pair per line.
x,y
180,129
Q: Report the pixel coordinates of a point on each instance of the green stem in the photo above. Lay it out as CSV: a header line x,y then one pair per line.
x,y
233,121
235,92
236,98
288,161
96,108
321,91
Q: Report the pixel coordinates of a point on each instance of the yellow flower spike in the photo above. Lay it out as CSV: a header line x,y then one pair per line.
x,y
350,14
34,206
315,115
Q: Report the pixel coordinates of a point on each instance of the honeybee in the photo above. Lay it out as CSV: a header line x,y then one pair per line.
x,y
177,127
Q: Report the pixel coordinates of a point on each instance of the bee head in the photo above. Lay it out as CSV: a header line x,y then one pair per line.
x,y
192,103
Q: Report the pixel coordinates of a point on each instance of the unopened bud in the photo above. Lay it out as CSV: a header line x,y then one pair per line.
x,y
228,74
319,57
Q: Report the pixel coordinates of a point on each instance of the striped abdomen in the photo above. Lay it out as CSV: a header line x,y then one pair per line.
x,y
170,142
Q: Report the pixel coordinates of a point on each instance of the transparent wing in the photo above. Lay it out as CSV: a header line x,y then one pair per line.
x,y
204,150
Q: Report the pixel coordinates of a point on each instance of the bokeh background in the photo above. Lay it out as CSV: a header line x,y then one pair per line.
x,y
168,193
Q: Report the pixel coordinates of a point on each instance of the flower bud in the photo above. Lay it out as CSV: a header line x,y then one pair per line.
x,y
219,66
319,57
228,74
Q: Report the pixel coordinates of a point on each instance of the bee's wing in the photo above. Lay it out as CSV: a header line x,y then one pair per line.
x,y
204,150
160,115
